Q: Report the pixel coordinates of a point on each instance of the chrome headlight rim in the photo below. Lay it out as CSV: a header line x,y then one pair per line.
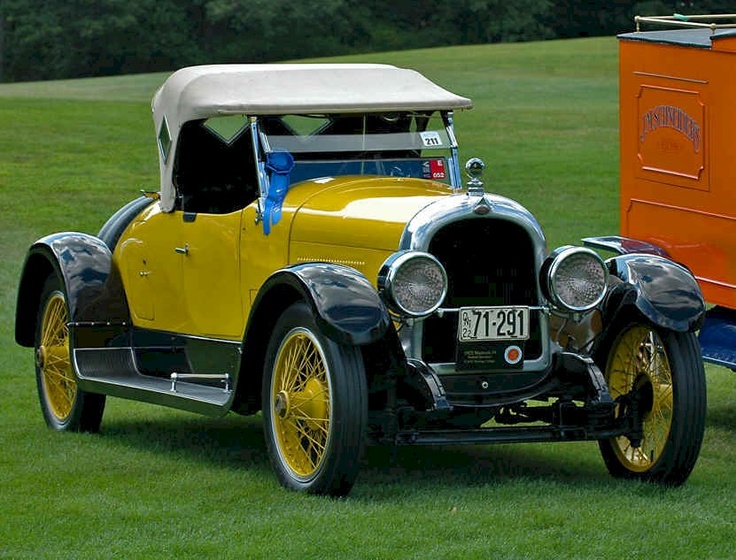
x,y
550,280
387,282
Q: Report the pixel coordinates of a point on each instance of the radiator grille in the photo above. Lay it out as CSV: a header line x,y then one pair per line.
x,y
488,262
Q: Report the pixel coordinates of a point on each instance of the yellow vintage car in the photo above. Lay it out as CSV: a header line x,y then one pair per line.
x,y
313,254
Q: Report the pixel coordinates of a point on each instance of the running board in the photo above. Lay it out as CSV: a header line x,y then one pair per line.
x,y
113,371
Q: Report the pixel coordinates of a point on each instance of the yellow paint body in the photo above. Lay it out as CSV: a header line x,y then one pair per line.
x,y
200,276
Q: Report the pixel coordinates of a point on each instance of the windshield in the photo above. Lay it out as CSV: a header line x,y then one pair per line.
x,y
414,145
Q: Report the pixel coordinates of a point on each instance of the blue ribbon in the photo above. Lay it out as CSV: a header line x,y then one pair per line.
x,y
279,164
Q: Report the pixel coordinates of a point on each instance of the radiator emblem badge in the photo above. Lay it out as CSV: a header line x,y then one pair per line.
x,y
483,207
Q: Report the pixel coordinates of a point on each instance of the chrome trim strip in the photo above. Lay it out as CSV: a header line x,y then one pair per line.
x,y
456,181
260,140
543,308
224,377
200,338
447,210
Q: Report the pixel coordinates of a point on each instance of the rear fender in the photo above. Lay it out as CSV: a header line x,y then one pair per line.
x,y
84,263
665,293
114,227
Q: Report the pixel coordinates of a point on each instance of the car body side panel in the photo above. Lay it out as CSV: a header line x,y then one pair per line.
x,y
366,261
211,276
358,222
151,270
353,221
164,255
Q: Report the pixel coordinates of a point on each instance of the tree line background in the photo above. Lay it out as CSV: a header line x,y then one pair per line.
x,y
51,39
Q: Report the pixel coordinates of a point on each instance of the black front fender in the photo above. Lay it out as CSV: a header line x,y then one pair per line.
x,y
84,263
666,293
346,305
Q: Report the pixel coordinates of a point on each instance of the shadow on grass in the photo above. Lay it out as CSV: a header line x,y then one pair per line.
x,y
484,464
722,416
233,441
238,443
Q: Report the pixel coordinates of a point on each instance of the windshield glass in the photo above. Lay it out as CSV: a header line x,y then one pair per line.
x,y
400,144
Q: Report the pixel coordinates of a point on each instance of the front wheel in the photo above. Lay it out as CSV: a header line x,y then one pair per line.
x,y
65,407
315,406
656,376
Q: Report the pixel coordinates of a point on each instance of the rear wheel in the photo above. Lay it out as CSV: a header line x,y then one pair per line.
x,y
657,376
314,406
64,405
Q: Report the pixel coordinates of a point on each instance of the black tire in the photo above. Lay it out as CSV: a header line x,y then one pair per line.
x,y
663,370
315,406
65,407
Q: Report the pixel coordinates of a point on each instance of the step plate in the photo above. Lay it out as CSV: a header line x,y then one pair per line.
x,y
113,371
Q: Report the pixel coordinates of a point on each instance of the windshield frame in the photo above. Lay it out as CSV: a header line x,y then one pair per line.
x,y
389,137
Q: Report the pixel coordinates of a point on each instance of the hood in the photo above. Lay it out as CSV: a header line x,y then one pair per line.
x,y
369,213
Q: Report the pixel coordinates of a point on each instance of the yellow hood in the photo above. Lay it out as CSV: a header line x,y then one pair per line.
x,y
360,212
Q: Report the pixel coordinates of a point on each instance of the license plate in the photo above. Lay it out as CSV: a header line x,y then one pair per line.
x,y
493,323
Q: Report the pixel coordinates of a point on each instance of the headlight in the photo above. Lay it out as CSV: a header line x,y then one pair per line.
x,y
574,278
412,283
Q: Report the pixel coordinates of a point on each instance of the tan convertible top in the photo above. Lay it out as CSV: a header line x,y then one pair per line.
x,y
200,92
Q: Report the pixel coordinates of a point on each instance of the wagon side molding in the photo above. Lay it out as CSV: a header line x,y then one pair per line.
x,y
84,263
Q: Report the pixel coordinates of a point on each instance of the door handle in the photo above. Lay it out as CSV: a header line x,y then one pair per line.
x,y
182,250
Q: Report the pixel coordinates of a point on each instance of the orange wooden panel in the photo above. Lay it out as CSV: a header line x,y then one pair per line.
x,y
678,154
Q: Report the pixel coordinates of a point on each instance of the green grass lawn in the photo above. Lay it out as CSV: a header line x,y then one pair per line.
x,y
158,483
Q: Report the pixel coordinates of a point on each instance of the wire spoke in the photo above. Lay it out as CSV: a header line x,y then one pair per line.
x,y
301,386
317,443
639,367
321,424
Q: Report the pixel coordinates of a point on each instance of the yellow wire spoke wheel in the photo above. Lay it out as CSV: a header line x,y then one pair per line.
x,y
63,404
315,406
639,363
300,401
58,383
657,376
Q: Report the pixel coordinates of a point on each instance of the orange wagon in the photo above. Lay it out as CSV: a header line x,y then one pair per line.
x,y
678,158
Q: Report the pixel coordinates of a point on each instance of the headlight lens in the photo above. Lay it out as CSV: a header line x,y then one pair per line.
x,y
574,278
412,283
